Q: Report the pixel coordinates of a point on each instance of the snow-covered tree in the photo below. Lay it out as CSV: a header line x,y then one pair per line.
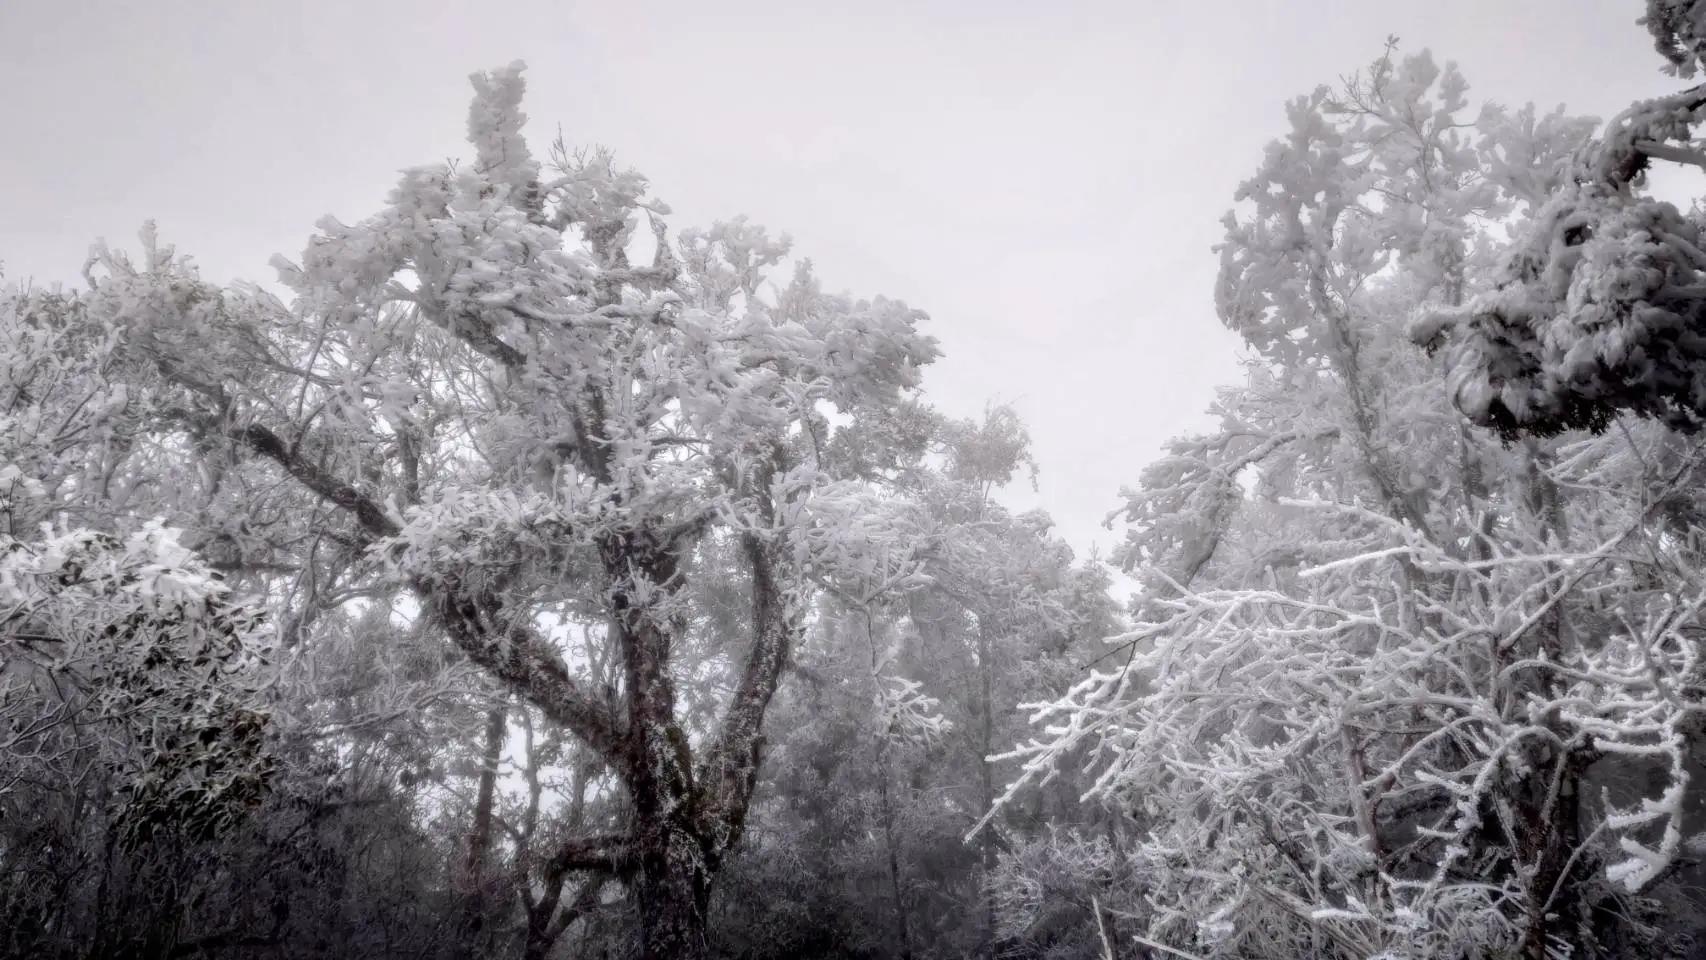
x,y
131,715
521,426
1396,689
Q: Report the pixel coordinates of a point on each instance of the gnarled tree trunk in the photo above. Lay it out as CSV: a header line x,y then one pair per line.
x,y
673,891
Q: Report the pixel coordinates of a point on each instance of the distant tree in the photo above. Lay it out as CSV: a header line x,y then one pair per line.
x,y
906,686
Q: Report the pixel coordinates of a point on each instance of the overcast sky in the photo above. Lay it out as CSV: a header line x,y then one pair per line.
x,y
1045,179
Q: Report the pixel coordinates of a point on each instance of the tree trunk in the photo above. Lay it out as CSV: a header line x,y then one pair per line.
x,y
674,882
1554,905
903,926
673,893
986,778
545,926
480,836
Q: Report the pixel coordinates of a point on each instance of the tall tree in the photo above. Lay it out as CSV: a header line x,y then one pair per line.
x,y
515,422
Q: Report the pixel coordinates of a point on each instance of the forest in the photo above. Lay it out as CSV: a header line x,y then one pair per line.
x,y
524,575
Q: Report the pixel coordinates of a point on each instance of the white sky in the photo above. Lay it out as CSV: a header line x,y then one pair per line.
x,y
1045,179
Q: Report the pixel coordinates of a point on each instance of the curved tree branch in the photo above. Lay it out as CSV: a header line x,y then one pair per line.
x,y
476,619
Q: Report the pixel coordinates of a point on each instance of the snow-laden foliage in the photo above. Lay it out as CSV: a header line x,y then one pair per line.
x,y
133,640
906,685
1679,33
1381,770
1598,308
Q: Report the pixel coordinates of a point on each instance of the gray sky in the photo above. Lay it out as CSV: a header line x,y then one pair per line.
x,y
1045,179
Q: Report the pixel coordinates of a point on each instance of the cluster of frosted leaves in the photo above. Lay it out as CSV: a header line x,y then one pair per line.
x,y
1260,293
128,646
1006,567
68,415
1216,495
1679,33
166,319
1183,499
1526,153
369,673
479,259
884,445
989,452
184,364
1012,576
1601,314
908,714
197,361
1599,309
1297,203
848,535
1043,873
89,418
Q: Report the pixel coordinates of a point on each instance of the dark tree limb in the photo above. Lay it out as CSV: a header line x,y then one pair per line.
x,y
374,520
607,852
729,771
476,619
